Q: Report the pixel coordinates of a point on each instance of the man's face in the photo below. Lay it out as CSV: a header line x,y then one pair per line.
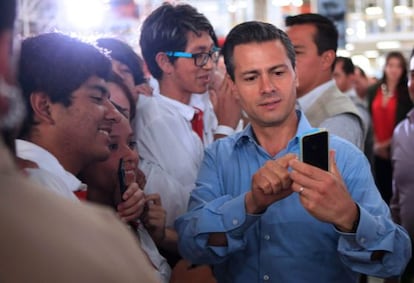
x,y
308,62
265,82
361,83
189,78
81,131
343,81
411,79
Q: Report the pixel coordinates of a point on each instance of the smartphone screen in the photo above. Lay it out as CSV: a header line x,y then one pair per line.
x,y
315,149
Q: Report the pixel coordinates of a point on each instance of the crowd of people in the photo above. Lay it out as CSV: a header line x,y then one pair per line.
x,y
183,165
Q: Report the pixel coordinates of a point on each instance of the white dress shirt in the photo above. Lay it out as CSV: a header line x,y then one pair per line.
x,y
171,152
50,173
309,98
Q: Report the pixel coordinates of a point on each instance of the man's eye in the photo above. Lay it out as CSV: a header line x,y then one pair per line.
x,y
113,146
249,78
98,99
132,145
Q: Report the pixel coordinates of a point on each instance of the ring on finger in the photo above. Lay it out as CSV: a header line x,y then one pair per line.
x,y
301,189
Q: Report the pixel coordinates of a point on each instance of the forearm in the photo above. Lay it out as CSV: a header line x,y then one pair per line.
x,y
170,241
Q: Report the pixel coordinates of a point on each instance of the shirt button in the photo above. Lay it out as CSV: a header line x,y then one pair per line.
x,y
266,277
267,237
235,221
362,240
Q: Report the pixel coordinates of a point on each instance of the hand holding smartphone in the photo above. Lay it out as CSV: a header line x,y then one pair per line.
x,y
314,148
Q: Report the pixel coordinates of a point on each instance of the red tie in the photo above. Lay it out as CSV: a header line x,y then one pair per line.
x,y
197,122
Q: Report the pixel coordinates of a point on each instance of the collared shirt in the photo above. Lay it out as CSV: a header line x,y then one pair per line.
x,y
171,152
50,173
309,98
285,244
403,163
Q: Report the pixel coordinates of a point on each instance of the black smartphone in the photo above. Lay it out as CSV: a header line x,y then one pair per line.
x,y
121,177
314,149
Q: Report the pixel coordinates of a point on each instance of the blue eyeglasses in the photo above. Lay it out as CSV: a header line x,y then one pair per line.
x,y
200,59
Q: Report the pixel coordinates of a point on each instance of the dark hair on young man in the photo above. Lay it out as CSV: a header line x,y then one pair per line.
x,y
57,65
116,79
166,29
326,37
254,32
122,52
8,14
347,65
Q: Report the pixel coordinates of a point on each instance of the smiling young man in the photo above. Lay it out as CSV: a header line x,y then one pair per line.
x,y
258,213
178,45
69,116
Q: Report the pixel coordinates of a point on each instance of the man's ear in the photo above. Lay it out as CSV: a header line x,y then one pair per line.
x,y
164,63
41,106
328,59
234,91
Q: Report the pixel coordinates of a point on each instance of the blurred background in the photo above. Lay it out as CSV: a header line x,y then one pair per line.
x,y
368,28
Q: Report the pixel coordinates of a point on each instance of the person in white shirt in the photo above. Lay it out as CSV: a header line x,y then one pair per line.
x,y
179,47
69,114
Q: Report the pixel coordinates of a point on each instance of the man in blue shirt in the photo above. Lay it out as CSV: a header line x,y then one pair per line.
x,y
258,213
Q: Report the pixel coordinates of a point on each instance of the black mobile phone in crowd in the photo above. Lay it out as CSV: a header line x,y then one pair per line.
x,y
121,177
314,148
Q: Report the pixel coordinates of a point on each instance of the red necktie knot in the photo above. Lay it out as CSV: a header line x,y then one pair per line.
x,y
197,122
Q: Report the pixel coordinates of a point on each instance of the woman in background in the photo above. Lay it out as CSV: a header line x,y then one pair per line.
x,y
388,102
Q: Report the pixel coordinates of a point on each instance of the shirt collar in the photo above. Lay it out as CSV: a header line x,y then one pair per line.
x,y
303,127
185,110
46,161
309,98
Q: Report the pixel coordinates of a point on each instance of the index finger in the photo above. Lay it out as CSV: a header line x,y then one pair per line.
x,y
284,160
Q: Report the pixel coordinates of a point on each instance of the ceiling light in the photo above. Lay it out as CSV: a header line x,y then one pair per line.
x,y
388,44
371,53
402,10
373,11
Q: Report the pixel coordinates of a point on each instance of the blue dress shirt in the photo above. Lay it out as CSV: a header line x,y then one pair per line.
x,y
285,243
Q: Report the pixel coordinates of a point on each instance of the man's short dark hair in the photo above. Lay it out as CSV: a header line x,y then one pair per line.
x,y
166,29
254,31
7,14
57,65
326,37
124,53
347,65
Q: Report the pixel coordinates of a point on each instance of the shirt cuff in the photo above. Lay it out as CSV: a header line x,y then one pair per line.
x,y
224,130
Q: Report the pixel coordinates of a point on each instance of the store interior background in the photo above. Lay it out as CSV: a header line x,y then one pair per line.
x,y
368,28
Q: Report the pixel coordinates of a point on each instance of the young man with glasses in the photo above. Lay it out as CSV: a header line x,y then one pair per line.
x,y
179,47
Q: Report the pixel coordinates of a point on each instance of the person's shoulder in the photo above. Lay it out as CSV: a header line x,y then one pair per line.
x,y
101,248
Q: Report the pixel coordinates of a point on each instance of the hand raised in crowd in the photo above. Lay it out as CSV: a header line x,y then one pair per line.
x,y
323,194
227,108
133,203
269,184
153,217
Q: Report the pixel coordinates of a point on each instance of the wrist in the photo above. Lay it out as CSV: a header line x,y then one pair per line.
x,y
224,130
